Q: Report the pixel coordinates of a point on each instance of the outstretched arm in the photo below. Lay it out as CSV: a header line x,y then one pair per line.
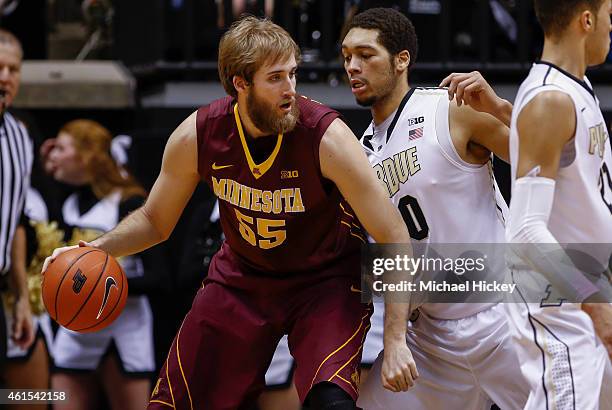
x,y
154,221
344,162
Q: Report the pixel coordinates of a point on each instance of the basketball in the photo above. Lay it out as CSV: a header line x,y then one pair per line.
x,y
84,289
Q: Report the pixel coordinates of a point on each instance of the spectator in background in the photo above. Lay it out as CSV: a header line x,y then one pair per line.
x,y
28,368
240,7
121,356
15,167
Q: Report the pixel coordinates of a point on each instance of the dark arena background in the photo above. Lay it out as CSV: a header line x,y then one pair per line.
x,y
139,67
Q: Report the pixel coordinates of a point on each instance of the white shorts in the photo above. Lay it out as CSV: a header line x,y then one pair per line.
x,y
464,364
564,362
373,344
131,334
280,372
42,329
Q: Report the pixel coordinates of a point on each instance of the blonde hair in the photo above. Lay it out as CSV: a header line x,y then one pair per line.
x,y
248,45
93,142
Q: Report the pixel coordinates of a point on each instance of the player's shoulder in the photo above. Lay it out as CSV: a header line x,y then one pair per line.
x,y
550,113
431,91
553,103
13,118
217,109
311,111
544,76
422,100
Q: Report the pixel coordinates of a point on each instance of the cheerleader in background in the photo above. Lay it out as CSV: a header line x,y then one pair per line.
x,y
120,358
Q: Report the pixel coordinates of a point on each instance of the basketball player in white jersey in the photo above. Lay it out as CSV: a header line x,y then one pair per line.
x,y
434,157
562,196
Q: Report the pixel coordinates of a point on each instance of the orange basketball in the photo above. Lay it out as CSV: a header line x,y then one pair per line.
x,y
84,289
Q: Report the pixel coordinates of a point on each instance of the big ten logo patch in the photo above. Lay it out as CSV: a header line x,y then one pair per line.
x,y
289,174
415,121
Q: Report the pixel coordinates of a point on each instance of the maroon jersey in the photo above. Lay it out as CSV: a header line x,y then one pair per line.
x,y
280,216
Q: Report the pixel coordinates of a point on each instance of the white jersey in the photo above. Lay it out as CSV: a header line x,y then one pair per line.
x,y
132,332
442,198
102,217
582,205
561,357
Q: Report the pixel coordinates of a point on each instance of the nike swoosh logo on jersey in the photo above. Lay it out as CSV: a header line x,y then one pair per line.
x,y
216,167
110,282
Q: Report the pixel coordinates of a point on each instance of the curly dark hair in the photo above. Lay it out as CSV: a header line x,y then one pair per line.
x,y
555,15
395,31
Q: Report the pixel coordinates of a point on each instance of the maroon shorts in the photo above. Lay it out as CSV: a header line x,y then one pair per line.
x,y
226,342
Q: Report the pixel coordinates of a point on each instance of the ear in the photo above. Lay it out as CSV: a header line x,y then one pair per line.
x,y
587,20
240,84
402,60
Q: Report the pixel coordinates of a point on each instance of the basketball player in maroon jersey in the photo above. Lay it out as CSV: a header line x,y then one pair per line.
x,y
293,185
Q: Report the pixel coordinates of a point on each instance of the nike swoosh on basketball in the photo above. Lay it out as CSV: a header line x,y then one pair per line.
x,y
110,282
217,167
354,289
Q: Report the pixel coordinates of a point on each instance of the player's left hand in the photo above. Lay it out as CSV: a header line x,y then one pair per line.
x,y
398,369
59,251
473,90
22,332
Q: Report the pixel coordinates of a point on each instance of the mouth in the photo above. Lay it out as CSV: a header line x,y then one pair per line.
x,y
286,107
357,86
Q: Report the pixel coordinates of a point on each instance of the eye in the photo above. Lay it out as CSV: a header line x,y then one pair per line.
x,y
275,77
366,56
347,58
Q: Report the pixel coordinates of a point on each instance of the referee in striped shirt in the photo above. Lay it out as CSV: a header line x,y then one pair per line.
x,y
16,159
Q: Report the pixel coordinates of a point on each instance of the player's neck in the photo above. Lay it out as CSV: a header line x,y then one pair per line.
x,y
384,107
568,54
247,124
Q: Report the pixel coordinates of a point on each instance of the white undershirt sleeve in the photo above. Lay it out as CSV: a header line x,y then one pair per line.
x,y
531,240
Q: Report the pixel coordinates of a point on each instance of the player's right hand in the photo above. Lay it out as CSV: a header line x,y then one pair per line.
x,y
59,251
398,369
601,315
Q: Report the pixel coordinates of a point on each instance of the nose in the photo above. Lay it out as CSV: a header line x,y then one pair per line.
x,y
352,66
289,89
4,74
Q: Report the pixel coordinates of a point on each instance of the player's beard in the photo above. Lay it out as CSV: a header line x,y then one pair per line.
x,y
382,91
264,115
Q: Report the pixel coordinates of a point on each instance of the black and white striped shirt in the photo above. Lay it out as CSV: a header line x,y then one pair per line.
x,y
16,157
